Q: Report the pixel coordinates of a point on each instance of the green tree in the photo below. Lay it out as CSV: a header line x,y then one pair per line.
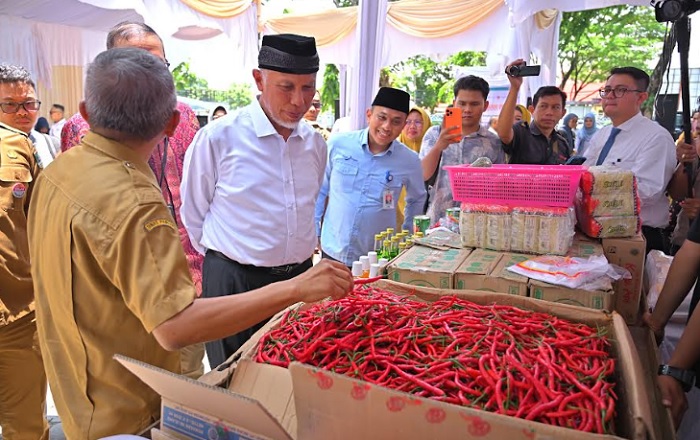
x,y
185,79
331,88
239,95
593,42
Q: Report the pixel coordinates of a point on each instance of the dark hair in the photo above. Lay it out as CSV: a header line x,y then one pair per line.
x,y
548,91
42,123
471,82
641,78
126,30
219,107
60,107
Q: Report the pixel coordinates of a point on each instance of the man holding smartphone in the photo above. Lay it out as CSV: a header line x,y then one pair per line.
x,y
539,142
442,147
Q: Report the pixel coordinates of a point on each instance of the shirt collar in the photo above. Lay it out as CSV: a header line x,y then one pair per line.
x,y
263,127
118,151
482,131
364,137
629,124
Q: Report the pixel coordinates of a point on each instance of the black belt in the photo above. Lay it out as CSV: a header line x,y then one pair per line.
x,y
285,268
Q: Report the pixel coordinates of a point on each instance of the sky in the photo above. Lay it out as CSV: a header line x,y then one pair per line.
x,y
208,58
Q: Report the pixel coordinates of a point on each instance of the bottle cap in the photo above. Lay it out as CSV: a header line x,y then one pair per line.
x,y
356,269
372,258
374,270
383,261
365,262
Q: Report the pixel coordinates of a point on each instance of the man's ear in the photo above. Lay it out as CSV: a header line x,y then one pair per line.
x,y
369,114
172,123
258,77
83,111
486,105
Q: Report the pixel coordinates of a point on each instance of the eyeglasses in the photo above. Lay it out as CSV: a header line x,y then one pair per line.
x,y
412,122
13,107
316,105
617,92
167,63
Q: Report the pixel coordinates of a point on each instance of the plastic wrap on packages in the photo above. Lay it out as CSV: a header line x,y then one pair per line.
x,y
472,225
608,179
609,227
656,269
525,228
572,272
498,228
556,231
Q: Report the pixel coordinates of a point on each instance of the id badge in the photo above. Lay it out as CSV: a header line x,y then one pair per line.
x,y
388,199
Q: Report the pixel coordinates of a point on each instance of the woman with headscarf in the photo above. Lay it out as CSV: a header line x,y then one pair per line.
x,y
521,113
569,129
42,125
218,112
417,123
584,135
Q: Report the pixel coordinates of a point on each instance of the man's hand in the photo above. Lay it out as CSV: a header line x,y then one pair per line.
x,y
691,207
658,329
685,153
515,81
327,278
446,137
673,398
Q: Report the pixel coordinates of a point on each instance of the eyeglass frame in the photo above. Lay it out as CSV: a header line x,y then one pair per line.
x,y
414,122
18,105
316,105
614,91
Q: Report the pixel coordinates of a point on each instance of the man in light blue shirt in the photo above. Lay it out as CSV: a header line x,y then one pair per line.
x,y
365,173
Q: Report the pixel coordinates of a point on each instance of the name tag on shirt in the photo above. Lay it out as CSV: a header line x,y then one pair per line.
x,y
388,199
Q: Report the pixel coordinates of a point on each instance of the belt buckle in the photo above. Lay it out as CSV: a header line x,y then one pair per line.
x,y
282,270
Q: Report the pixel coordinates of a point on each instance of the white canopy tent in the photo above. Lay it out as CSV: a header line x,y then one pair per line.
x,y
56,38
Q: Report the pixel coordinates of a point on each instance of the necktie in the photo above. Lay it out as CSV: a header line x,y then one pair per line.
x,y
608,145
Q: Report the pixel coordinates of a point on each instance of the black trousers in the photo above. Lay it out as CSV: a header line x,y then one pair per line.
x,y
656,239
222,276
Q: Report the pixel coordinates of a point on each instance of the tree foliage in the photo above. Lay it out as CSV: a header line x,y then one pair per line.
x,y
594,41
185,79
188,84
331,88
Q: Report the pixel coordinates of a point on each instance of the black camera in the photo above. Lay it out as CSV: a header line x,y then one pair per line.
x,y
523,70
673,10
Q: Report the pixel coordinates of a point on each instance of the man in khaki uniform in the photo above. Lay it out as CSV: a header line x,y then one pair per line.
x,y
108,267
22,378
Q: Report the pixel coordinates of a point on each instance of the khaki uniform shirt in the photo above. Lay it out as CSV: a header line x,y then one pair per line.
x,y
18,169
108,268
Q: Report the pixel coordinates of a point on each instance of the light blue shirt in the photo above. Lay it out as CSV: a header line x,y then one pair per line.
x,y
355,184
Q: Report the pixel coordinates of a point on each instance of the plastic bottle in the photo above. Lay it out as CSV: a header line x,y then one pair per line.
x,y
356,269
377,242
373,257
374,269
365,266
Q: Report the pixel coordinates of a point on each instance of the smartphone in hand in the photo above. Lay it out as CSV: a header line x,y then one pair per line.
x,y
453,118
575,160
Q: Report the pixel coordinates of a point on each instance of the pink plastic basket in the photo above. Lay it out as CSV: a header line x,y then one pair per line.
x,y
529,185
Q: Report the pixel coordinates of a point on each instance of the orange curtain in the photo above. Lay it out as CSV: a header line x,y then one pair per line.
x,y
219,8
66,89
439,18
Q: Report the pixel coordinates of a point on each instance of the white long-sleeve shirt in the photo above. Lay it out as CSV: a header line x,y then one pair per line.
x,y
647,149
249,194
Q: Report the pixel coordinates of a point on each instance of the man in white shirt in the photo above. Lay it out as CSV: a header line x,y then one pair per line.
x,y
57,117
251,179
638,144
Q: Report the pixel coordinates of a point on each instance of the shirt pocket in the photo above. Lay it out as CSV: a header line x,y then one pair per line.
x,y
346,169
14,184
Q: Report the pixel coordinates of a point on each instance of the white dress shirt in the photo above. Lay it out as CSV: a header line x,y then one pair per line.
x,y
56,128
647,149
249,194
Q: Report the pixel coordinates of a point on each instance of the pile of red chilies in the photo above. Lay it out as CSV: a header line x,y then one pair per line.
x,y
496,358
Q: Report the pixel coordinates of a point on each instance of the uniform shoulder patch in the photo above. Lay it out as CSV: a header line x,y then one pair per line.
x,y
152,224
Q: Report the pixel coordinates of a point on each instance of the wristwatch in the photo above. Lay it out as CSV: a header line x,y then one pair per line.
x,y
685,377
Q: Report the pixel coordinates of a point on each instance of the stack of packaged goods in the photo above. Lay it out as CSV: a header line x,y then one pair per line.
x,y
535,230
608,204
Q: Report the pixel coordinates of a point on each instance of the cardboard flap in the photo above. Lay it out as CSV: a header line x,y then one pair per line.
x,y
329,406
245,412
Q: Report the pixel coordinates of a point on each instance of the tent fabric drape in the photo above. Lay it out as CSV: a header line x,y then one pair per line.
x,y
219,8
439,18
328,27
546,18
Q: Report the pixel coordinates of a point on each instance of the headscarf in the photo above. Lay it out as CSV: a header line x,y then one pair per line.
x,y
42,123
415,144
214,110
585,134
527,117
567,131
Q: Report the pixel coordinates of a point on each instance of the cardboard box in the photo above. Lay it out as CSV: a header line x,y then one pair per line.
x,y
584,246
329,406
427,267
501,280
193,410
599,300
628,253
474,271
